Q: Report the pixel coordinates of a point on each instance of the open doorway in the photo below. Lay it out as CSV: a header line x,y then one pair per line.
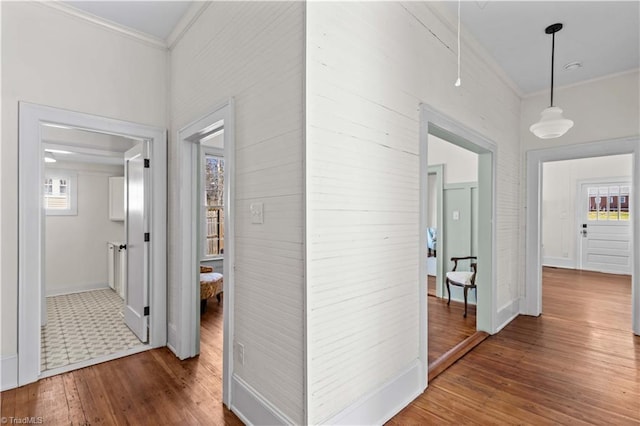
x,y
207,254
587,240
85,248
476,194
144,307
601,209
452,233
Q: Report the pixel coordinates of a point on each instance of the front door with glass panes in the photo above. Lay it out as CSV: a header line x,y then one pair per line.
x,y
605,227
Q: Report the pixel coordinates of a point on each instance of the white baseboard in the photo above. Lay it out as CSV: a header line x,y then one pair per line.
x,y
559,262
382,404
507,313
252,408
76,289
8,372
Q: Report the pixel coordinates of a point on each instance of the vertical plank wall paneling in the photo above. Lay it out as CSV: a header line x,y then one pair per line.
x,y
253,51
369,66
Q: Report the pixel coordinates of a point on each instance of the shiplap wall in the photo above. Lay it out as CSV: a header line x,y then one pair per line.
x,y
52,58
253,51
369,66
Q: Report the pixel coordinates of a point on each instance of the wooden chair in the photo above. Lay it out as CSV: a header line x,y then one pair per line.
x,y
464,279
211,284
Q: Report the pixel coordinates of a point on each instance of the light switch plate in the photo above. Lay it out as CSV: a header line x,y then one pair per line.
x,y
456,215
257,215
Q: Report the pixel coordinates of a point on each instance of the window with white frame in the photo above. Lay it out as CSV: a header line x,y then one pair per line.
x,y
213,208
60,193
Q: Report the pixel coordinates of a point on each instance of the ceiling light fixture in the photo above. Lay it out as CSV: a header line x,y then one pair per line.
x,y
552,124
49,158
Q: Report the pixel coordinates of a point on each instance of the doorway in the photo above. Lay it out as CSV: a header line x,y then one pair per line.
x,y
452,233
535,255
433,123
31,267
207,234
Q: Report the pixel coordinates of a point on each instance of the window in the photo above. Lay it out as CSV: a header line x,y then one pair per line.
x,y
60,193
213,205
609,203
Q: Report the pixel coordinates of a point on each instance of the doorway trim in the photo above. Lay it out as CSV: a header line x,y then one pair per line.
x,y
438,124
31,227
438,171
532,300
187,340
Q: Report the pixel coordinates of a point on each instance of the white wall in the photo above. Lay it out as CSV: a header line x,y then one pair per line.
x,y
253,51
560,202
461,165
51,58
369,66
76,246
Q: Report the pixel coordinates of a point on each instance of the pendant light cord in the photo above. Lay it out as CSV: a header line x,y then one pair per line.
x,y
553,48
458,80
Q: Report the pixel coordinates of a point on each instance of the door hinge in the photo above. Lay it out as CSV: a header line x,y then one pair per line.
x,y
146,311
147,163
146,237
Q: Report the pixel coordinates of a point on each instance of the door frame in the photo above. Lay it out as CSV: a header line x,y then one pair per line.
x,y
31,225
438,171
438,124
187,340
532,299
579,211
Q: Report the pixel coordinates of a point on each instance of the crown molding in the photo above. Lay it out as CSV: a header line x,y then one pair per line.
x,y
106,24
188,19
545,92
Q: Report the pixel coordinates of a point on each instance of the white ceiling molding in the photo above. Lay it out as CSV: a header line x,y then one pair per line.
x,y
188,19
106,24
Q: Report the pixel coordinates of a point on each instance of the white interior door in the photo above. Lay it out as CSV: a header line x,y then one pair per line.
x,y
605,227
136,295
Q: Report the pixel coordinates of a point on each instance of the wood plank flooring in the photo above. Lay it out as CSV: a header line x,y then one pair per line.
x,y
447,325
151,387
578,363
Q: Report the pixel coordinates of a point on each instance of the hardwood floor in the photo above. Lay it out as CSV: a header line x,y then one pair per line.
x,y
577,363
151,387
447,325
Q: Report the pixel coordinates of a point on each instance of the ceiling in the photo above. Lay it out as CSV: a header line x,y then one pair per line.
x,y
157,18
604,36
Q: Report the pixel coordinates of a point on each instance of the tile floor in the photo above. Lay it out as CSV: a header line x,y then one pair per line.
x,y
84,325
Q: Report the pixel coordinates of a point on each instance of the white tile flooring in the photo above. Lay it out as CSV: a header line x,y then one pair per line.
x,y
82,326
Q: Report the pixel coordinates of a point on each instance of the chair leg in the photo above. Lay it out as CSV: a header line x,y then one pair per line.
x,y
466,289
448,291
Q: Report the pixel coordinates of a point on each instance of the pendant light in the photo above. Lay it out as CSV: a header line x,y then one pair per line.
x,y
552,124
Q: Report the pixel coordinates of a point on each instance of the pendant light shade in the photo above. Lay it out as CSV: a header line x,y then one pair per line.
x,y
552,124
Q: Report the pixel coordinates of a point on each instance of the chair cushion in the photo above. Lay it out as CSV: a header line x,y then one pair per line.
x,y
460,277
210,284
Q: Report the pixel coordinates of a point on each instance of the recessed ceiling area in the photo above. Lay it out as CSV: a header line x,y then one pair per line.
x,y
604,36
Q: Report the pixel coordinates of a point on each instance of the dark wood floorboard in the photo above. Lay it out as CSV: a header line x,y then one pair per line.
x,y
447,325
578,363
149,388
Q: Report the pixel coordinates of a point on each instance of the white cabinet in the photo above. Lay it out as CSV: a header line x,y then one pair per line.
x,y
116,198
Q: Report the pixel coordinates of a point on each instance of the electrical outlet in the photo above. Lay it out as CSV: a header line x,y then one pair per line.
x,y
240,353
